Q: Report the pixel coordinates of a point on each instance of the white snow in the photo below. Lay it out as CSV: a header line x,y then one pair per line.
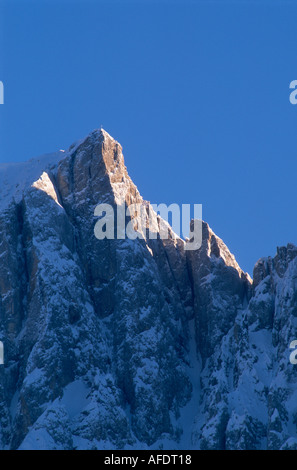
x,y
16,177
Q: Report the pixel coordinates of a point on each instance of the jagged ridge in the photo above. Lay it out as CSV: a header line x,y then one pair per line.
x,y
121,343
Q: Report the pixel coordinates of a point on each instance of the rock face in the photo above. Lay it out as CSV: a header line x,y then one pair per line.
x,y
134,343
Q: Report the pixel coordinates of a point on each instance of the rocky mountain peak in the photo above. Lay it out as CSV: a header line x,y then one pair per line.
x,y
97,166
126,343
278,265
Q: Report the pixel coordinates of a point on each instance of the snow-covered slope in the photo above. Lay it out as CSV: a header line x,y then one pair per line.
x,y
16,177
133,343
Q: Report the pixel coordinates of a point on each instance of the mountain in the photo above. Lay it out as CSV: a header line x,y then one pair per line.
x,y
134,344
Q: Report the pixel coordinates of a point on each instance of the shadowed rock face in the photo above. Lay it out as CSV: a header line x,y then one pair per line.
x,y
133,343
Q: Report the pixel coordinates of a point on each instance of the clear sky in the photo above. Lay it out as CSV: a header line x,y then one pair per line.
x,y
197,92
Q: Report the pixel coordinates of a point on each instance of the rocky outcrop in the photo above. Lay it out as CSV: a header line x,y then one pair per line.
x,y
133,343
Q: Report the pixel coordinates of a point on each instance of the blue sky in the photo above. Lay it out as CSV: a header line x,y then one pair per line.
x,y
197,92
